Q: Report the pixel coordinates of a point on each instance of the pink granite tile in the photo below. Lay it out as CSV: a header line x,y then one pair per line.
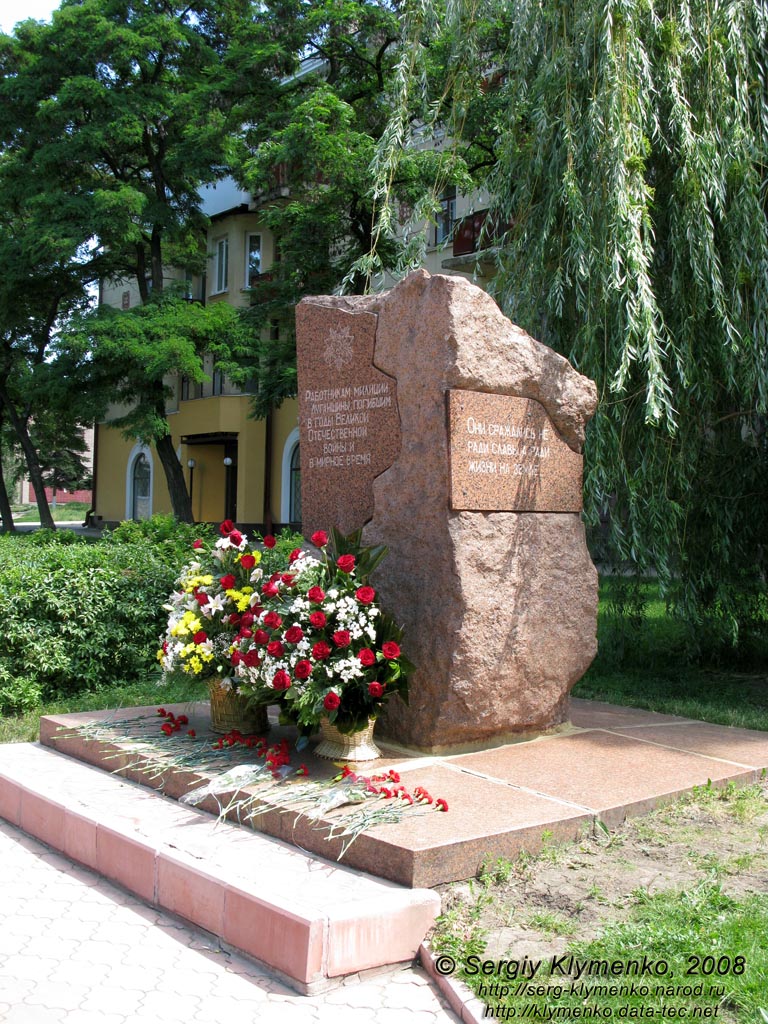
x,y
10,800
291,943
42,818
609,774
595,714
186,889
377,930
127,859
79,838
740,746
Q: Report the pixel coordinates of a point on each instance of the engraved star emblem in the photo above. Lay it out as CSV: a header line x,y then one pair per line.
x,y
339,348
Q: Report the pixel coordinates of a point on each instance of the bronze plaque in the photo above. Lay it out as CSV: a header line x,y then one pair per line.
x,y
506,456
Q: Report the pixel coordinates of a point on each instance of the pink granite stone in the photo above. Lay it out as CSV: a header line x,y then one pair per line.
x,y
499,606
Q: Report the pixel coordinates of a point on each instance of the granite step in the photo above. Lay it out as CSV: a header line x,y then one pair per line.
x,y
310,920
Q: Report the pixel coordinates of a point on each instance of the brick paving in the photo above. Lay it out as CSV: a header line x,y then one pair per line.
x,y
76,949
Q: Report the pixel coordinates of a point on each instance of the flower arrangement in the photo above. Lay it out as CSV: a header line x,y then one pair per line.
x,y
304,632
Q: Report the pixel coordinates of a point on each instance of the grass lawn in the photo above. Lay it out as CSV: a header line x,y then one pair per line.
x,y
73,511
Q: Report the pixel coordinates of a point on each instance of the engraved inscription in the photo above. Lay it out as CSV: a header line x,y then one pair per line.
x,y
339,422
505,455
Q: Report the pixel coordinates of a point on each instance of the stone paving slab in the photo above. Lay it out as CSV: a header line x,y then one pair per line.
x,y
312,920
76,949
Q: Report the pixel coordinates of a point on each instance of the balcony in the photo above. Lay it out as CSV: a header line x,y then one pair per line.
x,y
469,234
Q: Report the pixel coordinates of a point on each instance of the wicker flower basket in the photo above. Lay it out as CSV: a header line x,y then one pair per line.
x,y
231,711
353,746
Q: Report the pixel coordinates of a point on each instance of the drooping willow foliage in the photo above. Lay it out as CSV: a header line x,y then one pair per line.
x,y
632,156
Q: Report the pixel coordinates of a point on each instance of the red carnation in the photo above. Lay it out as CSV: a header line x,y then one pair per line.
x,y
191,733
342,638
272,620
167,728
247,561
236,538
293,634
261,637
200,637
331,701
303,669
228,581
319,538
365,595
316,595
281,680
366,656
375,690
390,650
226,527
321,650
197,544
269,541
317,619
346,563
201,597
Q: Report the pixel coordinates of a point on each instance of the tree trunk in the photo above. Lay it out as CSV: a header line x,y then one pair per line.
x,y
181,503
5,505
33,466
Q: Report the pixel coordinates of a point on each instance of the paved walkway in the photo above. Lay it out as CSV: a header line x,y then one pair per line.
x,y
76,949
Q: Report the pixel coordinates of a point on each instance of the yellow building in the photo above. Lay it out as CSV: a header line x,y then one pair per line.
x,y
236,467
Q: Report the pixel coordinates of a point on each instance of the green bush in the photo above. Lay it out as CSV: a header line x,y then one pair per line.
x,y
171,539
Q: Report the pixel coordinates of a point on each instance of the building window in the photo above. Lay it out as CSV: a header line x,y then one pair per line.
x,y
252,259
221,268
295,505
290,498
138,504
185,383
446,218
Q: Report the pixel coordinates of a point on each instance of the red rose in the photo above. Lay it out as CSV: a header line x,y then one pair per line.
x,y
317,619
303,669
197,544
226,528
272,620
270,590
281,680
366,656
275,649
234,619
228,581
287,578
269,541
261,637
201,598
200,637
321,650
236,538
342,638
236,658
375,689
251,658
247,561
316,595
247,618
365,595
319,538
245,632
331,701
346,563
390,650
293,634
296,553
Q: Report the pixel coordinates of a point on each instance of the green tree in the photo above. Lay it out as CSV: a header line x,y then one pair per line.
x,y
115,115
631,166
